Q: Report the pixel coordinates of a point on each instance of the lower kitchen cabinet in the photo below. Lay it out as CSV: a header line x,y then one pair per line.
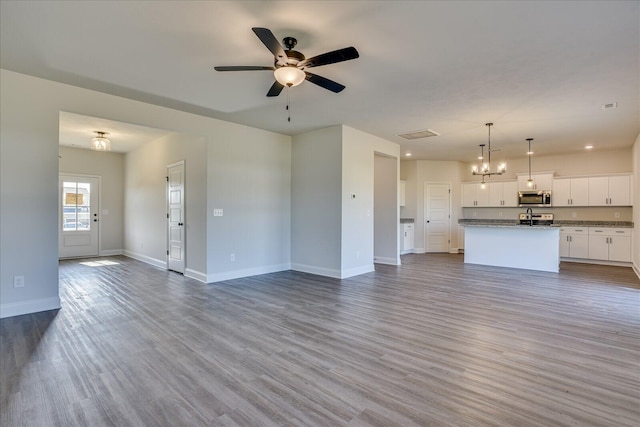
x,y
407,240
574,242
610,244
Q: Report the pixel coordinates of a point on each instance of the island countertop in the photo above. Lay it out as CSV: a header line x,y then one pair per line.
x,y
556,223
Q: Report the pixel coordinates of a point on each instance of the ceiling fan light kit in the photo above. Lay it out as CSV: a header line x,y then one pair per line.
x,y
289,75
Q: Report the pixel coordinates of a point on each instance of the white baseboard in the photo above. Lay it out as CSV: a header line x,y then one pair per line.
x,y
636,269
356,271
28,307
320,271
238,274
419,251
386,260
146,259
597,261
407,251
111,252
196,275
454,250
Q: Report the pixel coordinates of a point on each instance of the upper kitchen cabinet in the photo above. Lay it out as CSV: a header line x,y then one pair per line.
x,y
541,181
503,194
570,192
473,195
610,191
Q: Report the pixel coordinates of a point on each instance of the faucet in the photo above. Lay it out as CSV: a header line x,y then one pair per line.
x,y
530,216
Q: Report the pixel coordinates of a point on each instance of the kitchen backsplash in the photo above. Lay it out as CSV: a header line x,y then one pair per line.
x,y
604,213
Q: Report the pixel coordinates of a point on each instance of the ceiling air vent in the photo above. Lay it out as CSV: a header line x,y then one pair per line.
x,y
419,134
610,105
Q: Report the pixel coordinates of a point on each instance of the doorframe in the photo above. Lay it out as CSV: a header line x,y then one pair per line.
x,y
184,213
81,175
424,212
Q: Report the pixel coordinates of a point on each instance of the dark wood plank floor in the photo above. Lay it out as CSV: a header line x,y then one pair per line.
x,y
434,342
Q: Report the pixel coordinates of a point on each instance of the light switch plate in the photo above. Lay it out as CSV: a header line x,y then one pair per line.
x,y
218,212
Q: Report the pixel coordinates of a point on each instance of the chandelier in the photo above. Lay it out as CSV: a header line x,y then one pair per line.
x,y
485,168
100,143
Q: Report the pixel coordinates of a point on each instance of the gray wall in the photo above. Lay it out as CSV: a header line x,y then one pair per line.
x,y
145,192
316,201
385,211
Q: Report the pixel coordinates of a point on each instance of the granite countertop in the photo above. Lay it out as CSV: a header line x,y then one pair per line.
x,y
406,221
558,223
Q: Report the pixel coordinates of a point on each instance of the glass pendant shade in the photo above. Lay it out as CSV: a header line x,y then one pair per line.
x,y
289,76
100,143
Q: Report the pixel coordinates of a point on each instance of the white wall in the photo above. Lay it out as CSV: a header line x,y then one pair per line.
x,y
110,167
385,215
636,208
316,201
145,190
29,117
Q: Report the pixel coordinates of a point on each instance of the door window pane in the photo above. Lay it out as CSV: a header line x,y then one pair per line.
x,y
76,206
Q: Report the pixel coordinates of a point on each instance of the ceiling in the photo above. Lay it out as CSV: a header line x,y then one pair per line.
x,y
535,69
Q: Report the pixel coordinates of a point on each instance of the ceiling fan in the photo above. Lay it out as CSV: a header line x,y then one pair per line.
x,y
289,65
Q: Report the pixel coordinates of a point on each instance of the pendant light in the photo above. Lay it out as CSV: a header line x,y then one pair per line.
x,y
485,168
530,153
100,143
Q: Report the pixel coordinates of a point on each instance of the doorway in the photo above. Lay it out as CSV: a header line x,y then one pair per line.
x,y
79,218
437,217
175,217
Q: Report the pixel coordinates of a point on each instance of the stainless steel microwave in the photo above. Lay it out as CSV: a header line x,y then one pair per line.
x,y
534,198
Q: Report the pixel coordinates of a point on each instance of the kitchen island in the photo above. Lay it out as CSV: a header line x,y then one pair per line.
x,y
513,245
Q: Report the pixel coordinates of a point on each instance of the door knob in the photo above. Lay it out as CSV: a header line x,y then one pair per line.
x,y
180,223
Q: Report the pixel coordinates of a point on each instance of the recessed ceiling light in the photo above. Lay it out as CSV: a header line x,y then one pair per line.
x,y
588,147
529,153
407,154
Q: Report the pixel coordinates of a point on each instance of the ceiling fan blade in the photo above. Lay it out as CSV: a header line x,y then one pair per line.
x,y
243,68
330,57
324,82
275,89
266,36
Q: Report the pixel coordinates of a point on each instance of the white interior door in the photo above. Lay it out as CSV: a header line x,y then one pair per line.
x,y
175,217
437,213
79,226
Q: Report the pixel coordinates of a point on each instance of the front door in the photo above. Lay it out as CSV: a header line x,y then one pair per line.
x,y
175,217
437,217
79,216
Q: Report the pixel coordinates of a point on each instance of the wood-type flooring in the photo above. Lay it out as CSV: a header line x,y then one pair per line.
x,y
433,342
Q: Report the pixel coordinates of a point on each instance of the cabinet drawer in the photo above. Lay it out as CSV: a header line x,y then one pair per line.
x,y
408,226
604,231
576,230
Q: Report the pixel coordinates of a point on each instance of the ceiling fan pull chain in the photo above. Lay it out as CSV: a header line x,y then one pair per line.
x,y
288,104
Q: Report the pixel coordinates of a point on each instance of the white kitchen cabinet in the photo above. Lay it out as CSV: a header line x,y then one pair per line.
x,y
403,193
610,244
541,181
570,192
574,242
407,240
473,195
503,194
610,190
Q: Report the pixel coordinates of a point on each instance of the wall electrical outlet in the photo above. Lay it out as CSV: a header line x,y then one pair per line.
x,y
18,281
574,214
617,214
233,257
